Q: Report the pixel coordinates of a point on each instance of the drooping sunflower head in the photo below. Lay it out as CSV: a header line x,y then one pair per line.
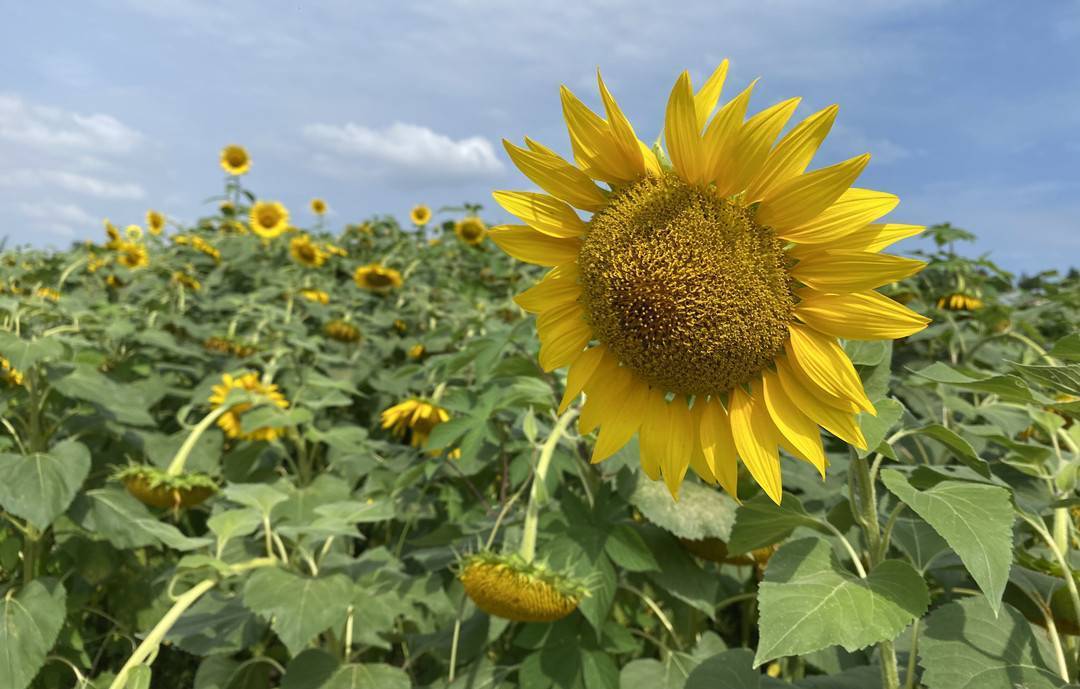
x,y
155,222
420,215
132,255
235,160
47,293
9,374
471,230
113,234
185,279
415,419
509,587
316,295
230,421
701,303
959,301
318,206
305,252
342,331
269,219
205,247
157,488
377,278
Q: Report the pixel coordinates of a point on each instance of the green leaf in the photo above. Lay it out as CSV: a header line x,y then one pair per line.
x,y
974,519
259,496
369,676
139,677
298,607
125,522
625,546
1005,386
230,523
121,402
969,645
1064,378
23,354
961,448
875,428
311,669
649,673
808,602
1067,348
30,620
919,540
700,512
732,669
760,522
216,623
40,486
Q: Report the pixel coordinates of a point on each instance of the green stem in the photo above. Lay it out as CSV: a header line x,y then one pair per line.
x,y
176,466
536,493
153,639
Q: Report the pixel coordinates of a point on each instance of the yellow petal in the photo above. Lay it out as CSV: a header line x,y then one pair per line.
x,y
859,316
831,270
698,463
793,153
581,370
722,134
803,198
526,244
541,212
718,445
667,438
875,236
682,134
557,177
607,381
595,150
651,439
840,423
823,362
563,335
558,287
756,440
852,211
796,427
708,95
756,138
621,421
622,132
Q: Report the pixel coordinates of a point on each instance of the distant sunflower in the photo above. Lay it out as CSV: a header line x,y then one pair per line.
x,y
269,219
235,160
699,307
133,232
132,255
113,234
318,206
509,587
9,374
155,222
420,215
959,302
305,252
47,293
377,278
342,331
417,351
205,247
316,295
179,277
471,230
230,421
414,418
334,249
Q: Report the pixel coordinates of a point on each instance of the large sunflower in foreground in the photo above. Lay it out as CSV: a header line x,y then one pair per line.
x,y
700,305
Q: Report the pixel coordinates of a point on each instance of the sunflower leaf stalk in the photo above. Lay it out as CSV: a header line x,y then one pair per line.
x,y
537,494
176,466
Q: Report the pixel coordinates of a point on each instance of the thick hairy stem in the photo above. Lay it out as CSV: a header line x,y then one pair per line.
x,y
536,493
176,466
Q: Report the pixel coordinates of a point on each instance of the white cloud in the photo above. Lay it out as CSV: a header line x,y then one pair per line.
x,y
73,182
58,130
408,148
58,218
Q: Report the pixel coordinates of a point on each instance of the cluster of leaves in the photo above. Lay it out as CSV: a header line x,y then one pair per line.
x,y
327,556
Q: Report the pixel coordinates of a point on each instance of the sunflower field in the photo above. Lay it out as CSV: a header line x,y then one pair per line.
x,y
243,453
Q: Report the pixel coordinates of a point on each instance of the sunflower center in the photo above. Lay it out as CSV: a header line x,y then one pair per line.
x,y
236,157
684,287
378,279
268,217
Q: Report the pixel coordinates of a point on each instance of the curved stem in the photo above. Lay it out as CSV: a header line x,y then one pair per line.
x,y
536,493
176,466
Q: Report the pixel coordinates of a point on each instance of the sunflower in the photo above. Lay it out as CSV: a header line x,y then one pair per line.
x,y
96,263
318,206
415,418
700,305
47,293
305,252
114,235
342,331
377,278
334,249
205,247
235,160
155,222
230,421
316,295
417,351
420,215
959,302
509,587
471,230
401,326
269,219
132,255
227,208
179,277
9,374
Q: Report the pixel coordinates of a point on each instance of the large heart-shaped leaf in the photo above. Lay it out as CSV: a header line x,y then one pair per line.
x,y
39,487
298,607
30,620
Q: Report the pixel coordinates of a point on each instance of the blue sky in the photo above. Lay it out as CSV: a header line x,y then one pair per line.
x,y
107,108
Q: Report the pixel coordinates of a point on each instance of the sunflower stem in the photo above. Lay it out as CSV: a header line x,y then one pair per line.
x,y
176,466
537,495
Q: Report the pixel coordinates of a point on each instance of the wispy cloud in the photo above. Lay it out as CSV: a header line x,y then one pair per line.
x,y
73,182
58,218
407,148
56,130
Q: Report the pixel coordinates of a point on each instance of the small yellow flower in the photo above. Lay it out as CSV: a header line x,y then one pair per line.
x,y
133,232
113,234
155,222
179,277
230,421
342,331
377,278
417,351
269,219
205,247
315,295
132,255
415,418
235,159
334,249
401,326
508,587
114,282
420,215
47,293
318,206
181,239
96,263
9,373
959,302
471,230
305,252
